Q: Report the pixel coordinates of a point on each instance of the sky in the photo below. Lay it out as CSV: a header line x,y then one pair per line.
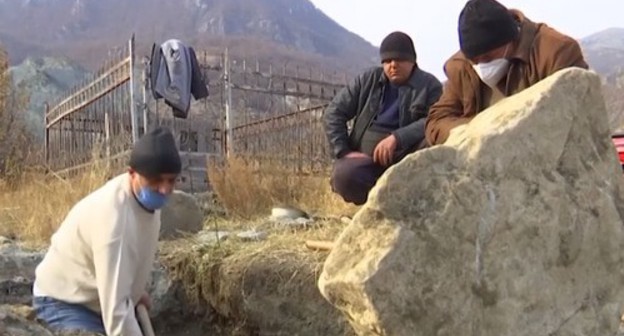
x,y
432,24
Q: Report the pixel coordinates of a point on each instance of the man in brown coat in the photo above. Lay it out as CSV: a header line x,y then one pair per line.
x,y
502,53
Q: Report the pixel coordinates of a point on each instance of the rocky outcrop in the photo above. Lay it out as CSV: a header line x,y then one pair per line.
x,y
181,215
513,227
19,321
17,272
17,275
226,282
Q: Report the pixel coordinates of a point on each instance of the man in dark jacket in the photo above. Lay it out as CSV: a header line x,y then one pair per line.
x,y
388,106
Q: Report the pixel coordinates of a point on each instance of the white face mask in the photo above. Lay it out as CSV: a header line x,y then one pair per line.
x,y
492,72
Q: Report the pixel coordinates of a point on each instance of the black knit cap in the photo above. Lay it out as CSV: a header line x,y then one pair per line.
x,y
485,25
156,153
397,46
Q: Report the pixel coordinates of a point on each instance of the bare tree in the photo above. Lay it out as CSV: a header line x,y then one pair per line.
x,y
14,141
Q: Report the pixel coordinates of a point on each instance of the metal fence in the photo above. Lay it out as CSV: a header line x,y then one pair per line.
x,y
256,110
274,113
104,115
94,118
295,141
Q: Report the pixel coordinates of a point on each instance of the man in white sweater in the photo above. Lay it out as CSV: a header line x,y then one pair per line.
x,y
98,265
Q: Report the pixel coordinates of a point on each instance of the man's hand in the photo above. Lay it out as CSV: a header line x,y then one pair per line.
x,y
146,301
384,151
355,155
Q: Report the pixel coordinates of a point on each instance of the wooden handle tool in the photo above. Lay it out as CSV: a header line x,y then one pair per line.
x,y
144,320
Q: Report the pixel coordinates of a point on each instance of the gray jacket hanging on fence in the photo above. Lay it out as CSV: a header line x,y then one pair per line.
x,y
175,76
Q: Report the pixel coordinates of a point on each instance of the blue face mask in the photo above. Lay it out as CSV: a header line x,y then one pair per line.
x,y
151,199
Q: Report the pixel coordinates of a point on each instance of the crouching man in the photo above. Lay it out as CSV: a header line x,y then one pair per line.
x,y
388,105
97,267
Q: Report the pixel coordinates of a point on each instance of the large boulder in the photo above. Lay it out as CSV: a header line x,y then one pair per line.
x,y
512,227
182,215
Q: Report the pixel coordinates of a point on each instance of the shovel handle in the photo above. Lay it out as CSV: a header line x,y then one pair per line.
x,y
144,320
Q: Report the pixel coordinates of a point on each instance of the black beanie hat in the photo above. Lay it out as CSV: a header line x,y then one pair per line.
x,y
156,153
397,46
485,25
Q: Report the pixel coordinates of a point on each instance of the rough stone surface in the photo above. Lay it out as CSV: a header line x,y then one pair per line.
x,y
181,215
210,237
209,204
299,223
252,235
513,227
162,292
18,321
17,273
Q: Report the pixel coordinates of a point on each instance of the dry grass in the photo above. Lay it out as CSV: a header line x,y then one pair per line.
x,y
32,209
249,190
267,287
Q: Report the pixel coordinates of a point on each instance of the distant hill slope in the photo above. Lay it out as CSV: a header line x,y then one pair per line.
x,y
85,29
604,51
44,79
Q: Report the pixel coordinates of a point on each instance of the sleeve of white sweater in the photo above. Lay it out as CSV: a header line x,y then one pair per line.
x,y
114,265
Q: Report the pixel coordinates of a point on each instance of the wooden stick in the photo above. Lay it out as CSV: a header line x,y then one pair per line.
x,y
319,245
144,320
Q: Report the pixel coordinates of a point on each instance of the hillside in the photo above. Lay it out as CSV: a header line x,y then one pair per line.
x,y
85,29
276,31
604,51
44,79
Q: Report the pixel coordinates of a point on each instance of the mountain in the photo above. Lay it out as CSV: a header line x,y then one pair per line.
x,y
53,44
604,51
43,36
86,29
44,79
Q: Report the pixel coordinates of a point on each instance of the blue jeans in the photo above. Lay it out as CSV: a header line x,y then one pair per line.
x,y
63,316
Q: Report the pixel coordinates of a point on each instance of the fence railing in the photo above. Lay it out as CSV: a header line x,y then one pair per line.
x,y
99,111
252,91
295,141
256,110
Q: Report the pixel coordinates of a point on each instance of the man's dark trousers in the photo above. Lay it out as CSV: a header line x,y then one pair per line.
x,y
353,178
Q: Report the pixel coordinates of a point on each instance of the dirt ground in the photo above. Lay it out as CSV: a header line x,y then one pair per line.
x,y
234,288
256,288
191,329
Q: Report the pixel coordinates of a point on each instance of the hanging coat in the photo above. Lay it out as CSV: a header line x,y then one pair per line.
x,y
175,76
